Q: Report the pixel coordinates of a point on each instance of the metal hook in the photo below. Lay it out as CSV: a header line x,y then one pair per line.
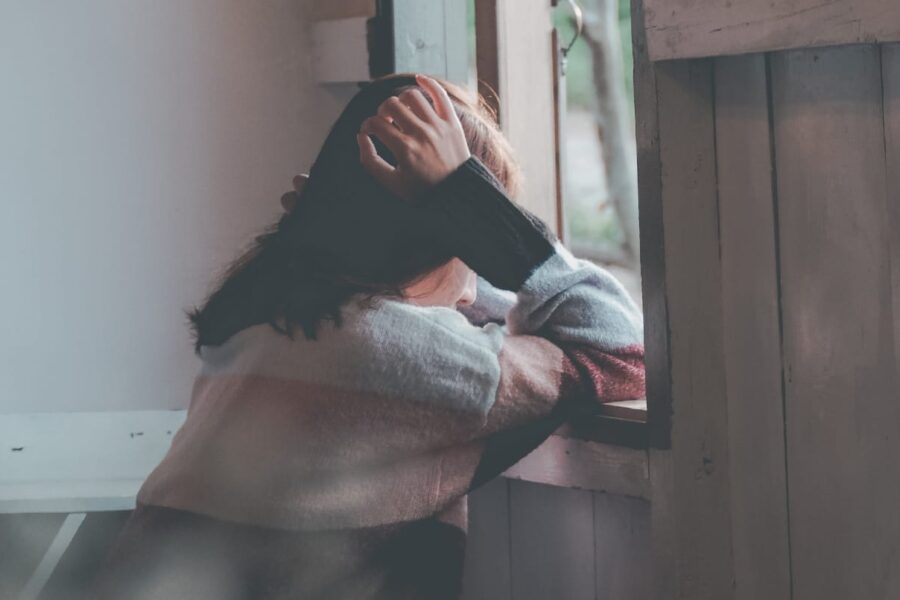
x,y
578,14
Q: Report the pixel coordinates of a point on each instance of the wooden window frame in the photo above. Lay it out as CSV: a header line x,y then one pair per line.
x,y
622,423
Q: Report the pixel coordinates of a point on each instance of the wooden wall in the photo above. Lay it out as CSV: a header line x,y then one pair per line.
x,y
534,542
687,28
772,182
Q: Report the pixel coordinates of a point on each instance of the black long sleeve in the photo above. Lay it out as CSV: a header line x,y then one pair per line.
x,y
474,218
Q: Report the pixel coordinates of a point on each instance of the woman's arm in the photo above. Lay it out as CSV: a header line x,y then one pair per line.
x,y
492,305
572,335
572,303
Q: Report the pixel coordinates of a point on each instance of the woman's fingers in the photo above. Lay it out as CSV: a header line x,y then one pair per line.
x,y
417,103
426,139
368,156
442,104
381,170
390,136
393,109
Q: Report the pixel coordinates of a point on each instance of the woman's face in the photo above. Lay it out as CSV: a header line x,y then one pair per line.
x,y
451,285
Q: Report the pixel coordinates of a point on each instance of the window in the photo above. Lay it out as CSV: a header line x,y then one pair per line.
x,y
597,137
570,117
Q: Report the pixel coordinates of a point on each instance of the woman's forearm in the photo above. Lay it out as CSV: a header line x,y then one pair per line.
x,y
571,302
470,213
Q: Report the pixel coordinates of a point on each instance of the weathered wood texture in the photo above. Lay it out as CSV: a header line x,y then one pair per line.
x,y
696,515
689,29
752,341
430,37
653,257
486,53
426,38
843,417
533,541
890,63
656,313
622,548
487,573
552,554
575,463
798,475
626,409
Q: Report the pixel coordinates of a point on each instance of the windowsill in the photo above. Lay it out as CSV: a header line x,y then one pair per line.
x,y
618,423
632,410
606,452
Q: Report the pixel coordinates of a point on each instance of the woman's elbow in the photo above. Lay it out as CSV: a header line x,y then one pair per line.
x,y
611,376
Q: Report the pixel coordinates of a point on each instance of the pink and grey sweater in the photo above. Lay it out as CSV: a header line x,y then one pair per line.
x,y
339,467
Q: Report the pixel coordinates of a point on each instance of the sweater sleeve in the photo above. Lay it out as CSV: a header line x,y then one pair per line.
x,y
572,304
492,305
572,337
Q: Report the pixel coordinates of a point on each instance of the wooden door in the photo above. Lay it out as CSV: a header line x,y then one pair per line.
x,y
770,234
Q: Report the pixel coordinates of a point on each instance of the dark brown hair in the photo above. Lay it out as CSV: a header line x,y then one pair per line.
x,y
346,235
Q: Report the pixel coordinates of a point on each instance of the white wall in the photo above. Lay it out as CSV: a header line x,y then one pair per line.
x,y
141,145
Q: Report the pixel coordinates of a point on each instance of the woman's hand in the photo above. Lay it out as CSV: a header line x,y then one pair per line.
x,y
427,140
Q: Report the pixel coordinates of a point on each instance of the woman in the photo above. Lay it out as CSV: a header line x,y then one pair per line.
x,y
345,407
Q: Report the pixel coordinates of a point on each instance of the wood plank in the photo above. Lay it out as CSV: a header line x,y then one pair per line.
x,y
552,551
664,538
687,28
429,37
656,315
751,318
487,574
456,40
342,9
698,515
890,66
605,429
425,40
525,81
653,258
622,542
560,103
487,66
575,463
635,410
843,418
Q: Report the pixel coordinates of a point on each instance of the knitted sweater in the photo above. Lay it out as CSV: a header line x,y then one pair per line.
x,y
339,467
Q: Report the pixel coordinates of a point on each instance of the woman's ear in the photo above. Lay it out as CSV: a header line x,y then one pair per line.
x,y
289,200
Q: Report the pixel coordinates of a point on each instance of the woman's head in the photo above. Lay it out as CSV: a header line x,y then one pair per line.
x,y
346,234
